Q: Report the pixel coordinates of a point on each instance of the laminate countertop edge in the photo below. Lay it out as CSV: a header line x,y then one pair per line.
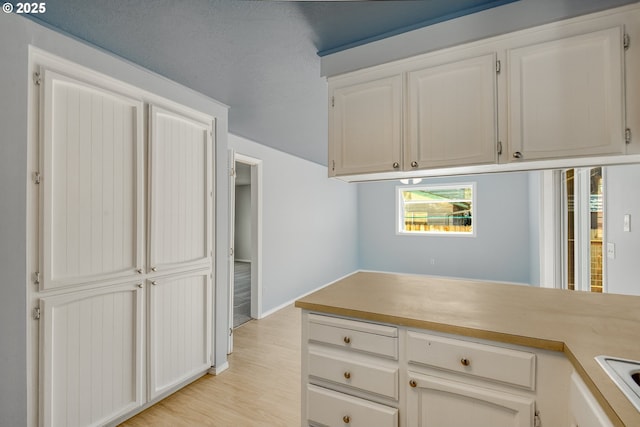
x,y
586,325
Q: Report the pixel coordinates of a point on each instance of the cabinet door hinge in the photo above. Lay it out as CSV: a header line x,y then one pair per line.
x,y
37,178
37,79
627,136
626,41
36,278
36,313
333,101
499,148
498,66
230,331
232,172
333,165
536,419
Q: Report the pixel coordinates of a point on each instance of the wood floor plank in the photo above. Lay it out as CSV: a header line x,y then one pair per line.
x,y
260,388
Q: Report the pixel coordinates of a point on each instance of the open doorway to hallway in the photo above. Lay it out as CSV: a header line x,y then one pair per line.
x,y
242,246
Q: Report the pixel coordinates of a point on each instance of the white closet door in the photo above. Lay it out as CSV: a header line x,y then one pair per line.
x,y
92,183
181,190
91,347
179,330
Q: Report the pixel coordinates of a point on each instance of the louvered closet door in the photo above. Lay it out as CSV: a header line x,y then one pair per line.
x,y
181,191
179,329
91,347
92,183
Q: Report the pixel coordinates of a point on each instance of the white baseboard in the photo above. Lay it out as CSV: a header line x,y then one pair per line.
x,y
242,260
469,279
217,370
281,306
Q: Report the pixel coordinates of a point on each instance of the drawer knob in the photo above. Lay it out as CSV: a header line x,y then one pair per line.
x,y
346,419
413,383
347,375
347,340
465,361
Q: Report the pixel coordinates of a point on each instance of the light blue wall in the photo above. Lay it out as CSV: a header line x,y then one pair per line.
x,y
309,235
491,22
500,250
622,197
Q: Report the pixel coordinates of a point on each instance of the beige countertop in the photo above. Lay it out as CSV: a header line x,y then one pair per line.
x,y
580,324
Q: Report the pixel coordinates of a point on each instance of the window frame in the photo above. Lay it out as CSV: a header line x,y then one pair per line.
x,y
399,208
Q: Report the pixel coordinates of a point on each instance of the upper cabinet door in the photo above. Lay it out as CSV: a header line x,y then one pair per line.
x,y
365,127
92,195
181,156
566,97
452,114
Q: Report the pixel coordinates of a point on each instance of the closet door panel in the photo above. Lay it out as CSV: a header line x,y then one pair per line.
x,y
91,347
180,330
92,189
181,198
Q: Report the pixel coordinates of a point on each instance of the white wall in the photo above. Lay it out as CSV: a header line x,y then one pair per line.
x,y
309,235
622,196
16,34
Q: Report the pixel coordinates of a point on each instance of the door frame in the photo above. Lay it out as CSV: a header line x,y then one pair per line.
x,y
256,236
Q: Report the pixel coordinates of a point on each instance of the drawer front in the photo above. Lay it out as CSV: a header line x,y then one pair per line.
x,y
360,373
486,361
330,408
383,343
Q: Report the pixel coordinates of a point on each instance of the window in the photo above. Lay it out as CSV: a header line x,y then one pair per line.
x,y
436,209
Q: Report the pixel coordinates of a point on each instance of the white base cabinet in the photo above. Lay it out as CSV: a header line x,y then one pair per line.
x,y
438,402
583,407
363,373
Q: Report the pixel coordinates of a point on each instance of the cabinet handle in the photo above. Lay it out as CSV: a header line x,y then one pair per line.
x,y
517,155
465,361
154,283
139,271
346,340
154,269
414,164
413,383
396,165
140,285
346,419
347,375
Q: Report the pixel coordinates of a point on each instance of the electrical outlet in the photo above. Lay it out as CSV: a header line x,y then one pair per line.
x,y
611,250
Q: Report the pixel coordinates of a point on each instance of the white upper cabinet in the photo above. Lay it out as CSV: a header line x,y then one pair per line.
x,y
566,97
92,195
451,113
365,125
181,188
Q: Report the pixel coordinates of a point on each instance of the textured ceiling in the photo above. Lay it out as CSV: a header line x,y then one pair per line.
x,y
258,57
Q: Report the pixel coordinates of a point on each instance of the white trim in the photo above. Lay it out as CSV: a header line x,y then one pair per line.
x,y
217,370
550,229
283,305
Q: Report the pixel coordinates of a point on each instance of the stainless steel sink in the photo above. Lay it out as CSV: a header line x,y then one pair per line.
x,y
625,374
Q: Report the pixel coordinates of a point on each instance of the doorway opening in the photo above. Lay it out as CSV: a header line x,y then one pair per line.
x,y
245,255
583,230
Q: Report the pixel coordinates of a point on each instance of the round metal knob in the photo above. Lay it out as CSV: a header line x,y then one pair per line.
x,y
154,269
154,283
346,419
413,383
347,375
346,340
414,164
139,271
517,155
396,165
465,361
140,285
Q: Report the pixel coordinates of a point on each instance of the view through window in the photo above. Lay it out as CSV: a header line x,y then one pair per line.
x,y
441,209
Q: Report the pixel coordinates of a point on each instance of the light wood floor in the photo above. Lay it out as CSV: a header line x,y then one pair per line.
x,y
260,388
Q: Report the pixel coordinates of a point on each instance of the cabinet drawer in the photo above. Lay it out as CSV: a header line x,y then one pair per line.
x,y
357,372
358,336
486,361
330,408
